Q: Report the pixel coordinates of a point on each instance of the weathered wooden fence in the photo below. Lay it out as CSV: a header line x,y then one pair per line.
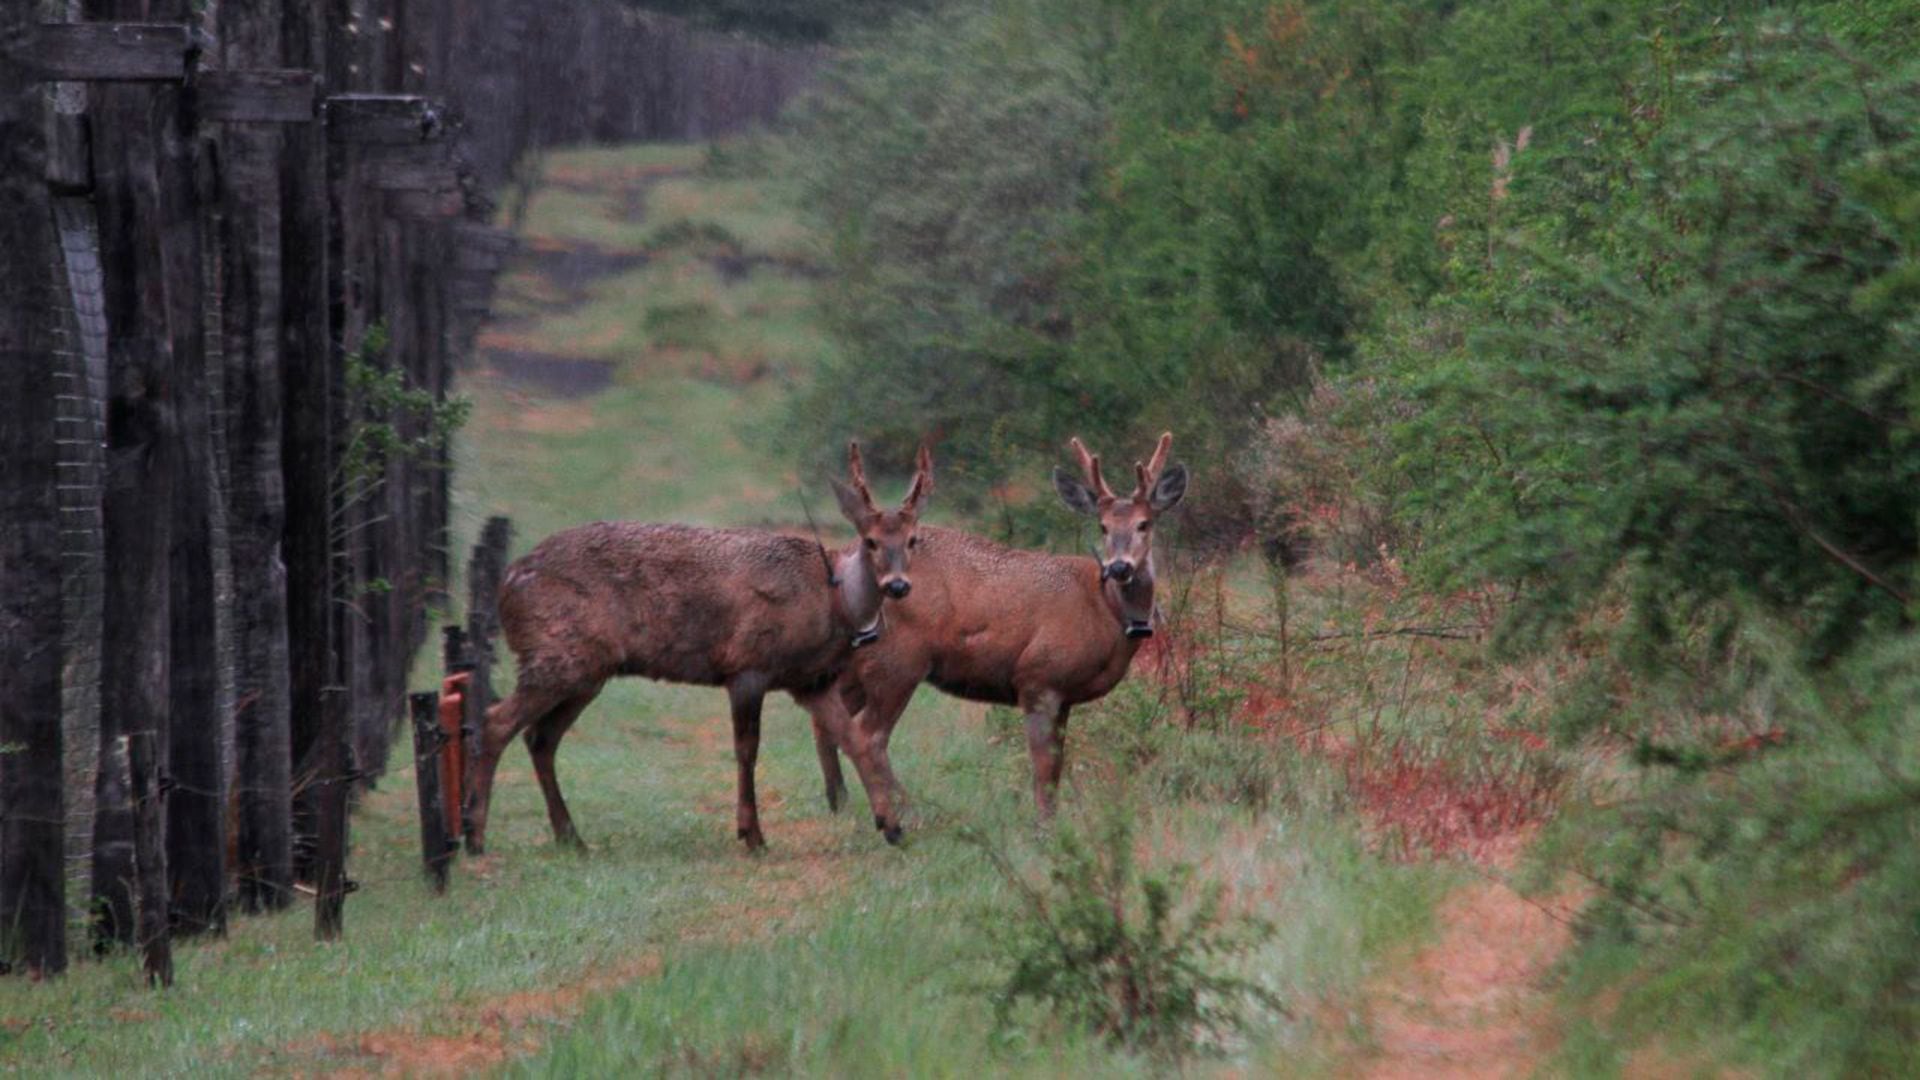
x,y
241,255
244,247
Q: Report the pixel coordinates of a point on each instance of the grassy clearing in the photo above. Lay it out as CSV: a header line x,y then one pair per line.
x,y
739,208
832,954
888,980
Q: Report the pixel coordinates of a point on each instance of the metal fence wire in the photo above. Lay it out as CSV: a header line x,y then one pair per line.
x,y
80,326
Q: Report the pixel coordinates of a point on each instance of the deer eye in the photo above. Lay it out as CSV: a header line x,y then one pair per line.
x,y
913,541
871,544
1145,525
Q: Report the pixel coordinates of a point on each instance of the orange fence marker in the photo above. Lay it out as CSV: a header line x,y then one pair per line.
x,y
453,751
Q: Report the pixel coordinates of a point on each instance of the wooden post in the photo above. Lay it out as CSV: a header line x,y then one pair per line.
x,y
129,866
436,847
484,573
333,782
195,753
453,647
155,934
252,245
454,658
307,366
345,689
32,874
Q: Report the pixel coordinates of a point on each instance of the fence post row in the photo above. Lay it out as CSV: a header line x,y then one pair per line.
x,y
237,192
230,198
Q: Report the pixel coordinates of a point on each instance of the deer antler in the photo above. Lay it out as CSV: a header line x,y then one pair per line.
x,y
1159,459
1149,471
922,485
857,472
1090,464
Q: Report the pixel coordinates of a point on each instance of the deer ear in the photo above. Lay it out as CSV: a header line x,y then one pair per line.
x,y
852,506
1078,496
1169,489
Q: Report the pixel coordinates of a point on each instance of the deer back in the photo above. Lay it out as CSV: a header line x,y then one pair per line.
x,y
674,602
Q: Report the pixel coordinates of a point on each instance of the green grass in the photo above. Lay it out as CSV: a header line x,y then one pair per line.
x,y
739,207
655,804
888,979
588,194
832,954
681,302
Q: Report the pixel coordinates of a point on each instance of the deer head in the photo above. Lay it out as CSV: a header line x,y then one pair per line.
x,y
1126,524
886,536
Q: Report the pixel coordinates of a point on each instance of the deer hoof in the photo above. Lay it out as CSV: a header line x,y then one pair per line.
x,y
754,840
836,798
893,833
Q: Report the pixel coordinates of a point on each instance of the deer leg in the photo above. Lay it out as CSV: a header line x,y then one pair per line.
x,y
543,741
829,751
525,706
829,712
851,700
745,696
1047,747
872,730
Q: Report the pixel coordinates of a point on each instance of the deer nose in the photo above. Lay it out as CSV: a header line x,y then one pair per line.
x,y
898,587
1119,570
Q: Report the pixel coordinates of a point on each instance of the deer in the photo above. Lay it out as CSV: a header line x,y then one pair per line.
x,y
749,610
1035,630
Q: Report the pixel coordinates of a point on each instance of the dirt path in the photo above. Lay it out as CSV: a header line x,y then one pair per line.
x,y
1475,1001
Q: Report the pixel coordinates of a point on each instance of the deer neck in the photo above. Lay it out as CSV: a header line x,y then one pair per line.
x,y
857,596
1132,603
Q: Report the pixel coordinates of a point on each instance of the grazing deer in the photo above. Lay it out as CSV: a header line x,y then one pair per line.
x,y
748,610
989,623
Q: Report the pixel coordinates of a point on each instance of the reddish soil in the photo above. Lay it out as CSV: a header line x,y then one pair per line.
x,y
1418,808
470,1036
1472,1003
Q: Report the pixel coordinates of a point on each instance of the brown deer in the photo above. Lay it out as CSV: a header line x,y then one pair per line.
x,y
989,623
748,610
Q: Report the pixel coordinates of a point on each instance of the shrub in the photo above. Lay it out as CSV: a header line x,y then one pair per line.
x,y
1320,485
1714,397
1758,873
1135,957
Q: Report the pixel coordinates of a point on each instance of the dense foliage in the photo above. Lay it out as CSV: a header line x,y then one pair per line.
x,y
1613,305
